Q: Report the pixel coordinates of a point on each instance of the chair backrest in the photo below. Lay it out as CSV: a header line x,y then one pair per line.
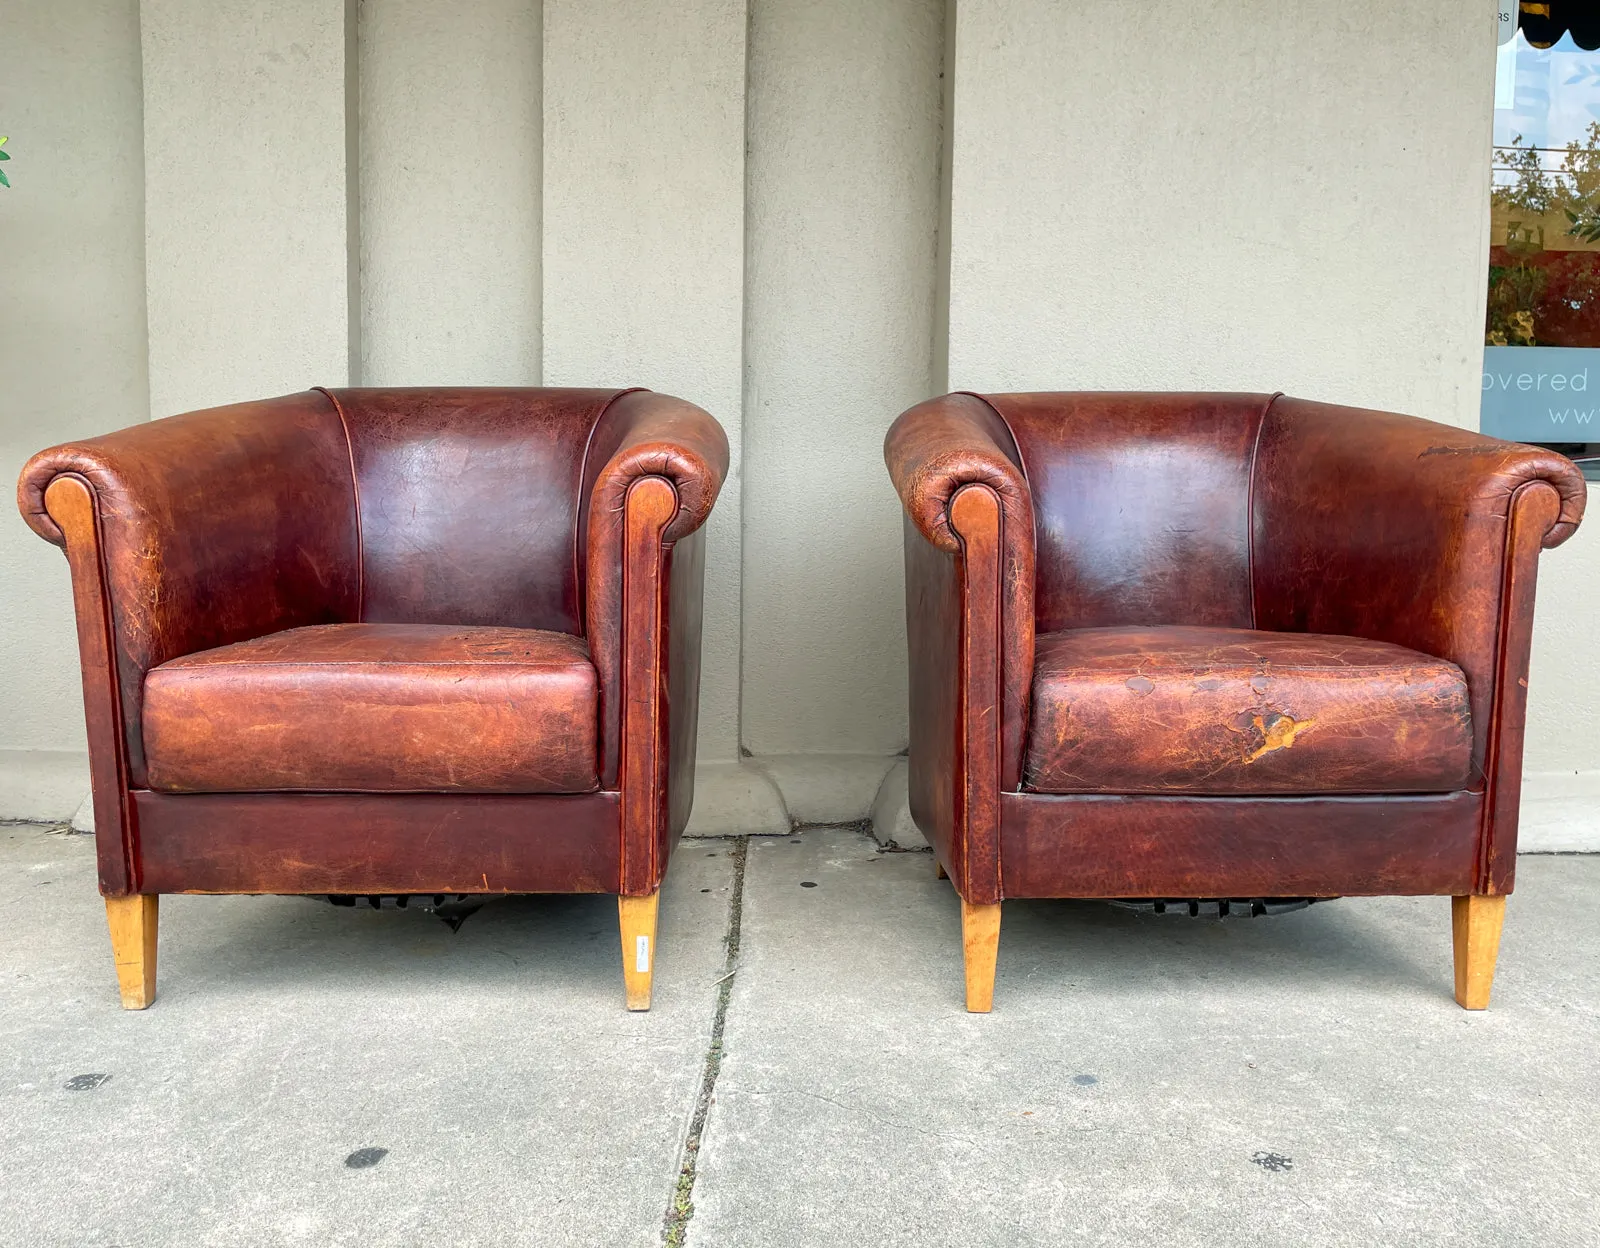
x,y
469,503
1142,509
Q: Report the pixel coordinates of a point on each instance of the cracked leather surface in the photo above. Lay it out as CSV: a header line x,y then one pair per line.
x,y
377,708
1221,710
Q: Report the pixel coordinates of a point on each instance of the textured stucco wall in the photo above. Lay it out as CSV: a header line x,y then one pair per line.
x,y
843,200
246,198
450,135
1561,757
1255,196
644,245
72,359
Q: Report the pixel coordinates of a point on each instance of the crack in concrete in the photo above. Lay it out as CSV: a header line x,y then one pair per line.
x,y
680,1205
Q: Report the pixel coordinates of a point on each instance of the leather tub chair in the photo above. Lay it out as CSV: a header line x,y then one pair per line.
x,y
388,642
1219,646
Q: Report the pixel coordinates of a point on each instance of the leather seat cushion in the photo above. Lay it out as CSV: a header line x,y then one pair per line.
x,y
1235,711
381,708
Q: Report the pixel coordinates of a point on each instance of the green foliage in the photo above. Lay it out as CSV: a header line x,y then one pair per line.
x,y
1572,191
1534,191
4,155
1514,294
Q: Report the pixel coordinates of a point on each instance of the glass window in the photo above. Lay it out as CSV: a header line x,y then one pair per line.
x,y
1541,359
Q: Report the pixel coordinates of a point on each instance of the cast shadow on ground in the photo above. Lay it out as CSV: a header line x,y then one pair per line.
x,y
1333,945
520,944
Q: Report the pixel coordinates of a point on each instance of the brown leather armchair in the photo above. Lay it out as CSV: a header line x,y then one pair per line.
x,y
1219,646
388,642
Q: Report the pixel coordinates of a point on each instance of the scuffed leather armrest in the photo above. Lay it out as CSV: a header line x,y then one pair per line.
x,y
213,527
644,434
937,448
641,436
1378,525
969,567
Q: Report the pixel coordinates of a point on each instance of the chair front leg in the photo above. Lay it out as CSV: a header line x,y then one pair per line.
x,y
133,922
980,945
637,917
1476,921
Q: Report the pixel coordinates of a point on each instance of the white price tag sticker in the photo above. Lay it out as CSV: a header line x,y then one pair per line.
x,y
641,954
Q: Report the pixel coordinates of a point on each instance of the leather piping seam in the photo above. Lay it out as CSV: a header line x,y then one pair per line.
x,y
354,792
1025,719
385,665
1250,505
580,558
657,663
998,719
1491,745
128,831
355,494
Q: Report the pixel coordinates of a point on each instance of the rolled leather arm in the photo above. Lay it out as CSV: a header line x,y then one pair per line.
x,y
938,447
644,434
1378,525
640,435
214,527
934,451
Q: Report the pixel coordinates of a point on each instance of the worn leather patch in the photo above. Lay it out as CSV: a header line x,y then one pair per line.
x,y
377,708
1235,711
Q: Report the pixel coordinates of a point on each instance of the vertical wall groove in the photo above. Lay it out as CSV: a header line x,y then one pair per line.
x,y
947,129
352,188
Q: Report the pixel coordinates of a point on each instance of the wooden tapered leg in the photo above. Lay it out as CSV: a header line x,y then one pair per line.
x,y
980,943
638,919
133,944
1477,922
938,870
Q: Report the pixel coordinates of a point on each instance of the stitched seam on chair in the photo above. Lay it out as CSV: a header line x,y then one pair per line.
x,y
1022,460
1025,725
381,664
1273,669
1250,504
397,792
1491,746
355,494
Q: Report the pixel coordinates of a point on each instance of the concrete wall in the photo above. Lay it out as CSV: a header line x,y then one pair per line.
x,y
72,343
843,193
248,127
773,208
450,135
1250,196
644,242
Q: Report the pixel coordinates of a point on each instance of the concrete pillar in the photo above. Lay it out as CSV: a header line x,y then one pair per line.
x,y
248,140
450,134
644,245
843,196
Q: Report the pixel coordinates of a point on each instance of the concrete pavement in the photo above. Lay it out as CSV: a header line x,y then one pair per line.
x,y
317,1075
